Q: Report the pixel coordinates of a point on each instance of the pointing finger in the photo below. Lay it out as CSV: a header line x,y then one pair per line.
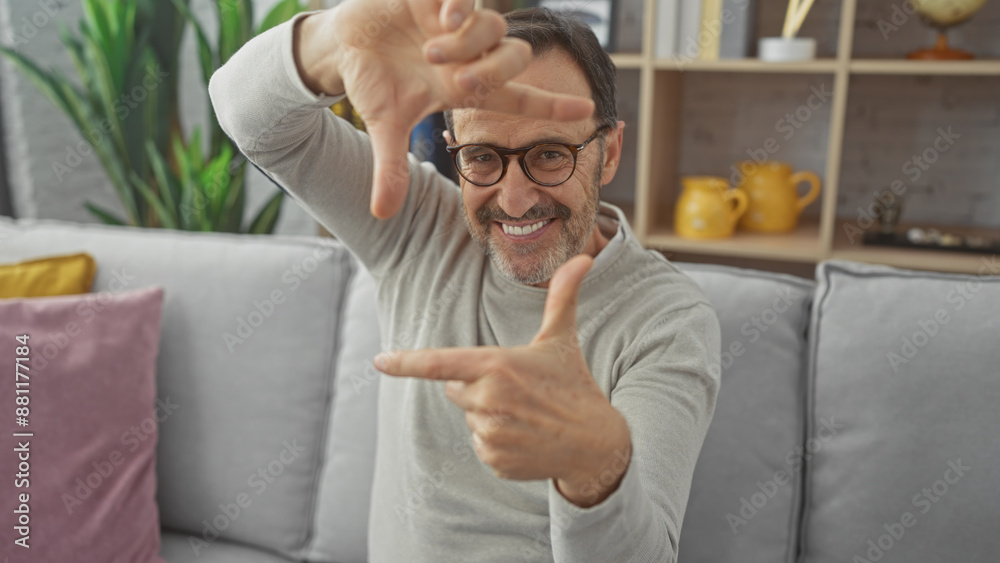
x,y
559,317
462,364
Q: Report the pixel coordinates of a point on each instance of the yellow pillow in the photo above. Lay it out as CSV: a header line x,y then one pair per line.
x,y
43,277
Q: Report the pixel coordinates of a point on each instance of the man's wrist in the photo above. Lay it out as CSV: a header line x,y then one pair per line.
x,y
593,487
317,54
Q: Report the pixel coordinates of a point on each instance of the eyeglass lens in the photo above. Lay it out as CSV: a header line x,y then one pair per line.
x,y
546,164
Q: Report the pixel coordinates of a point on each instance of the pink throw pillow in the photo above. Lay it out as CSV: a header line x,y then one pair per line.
x,y
80,485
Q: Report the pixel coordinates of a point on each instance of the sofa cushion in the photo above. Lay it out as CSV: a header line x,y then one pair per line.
x,y
47,276
176,548
341,528
250,334
85,392
908,365
745,492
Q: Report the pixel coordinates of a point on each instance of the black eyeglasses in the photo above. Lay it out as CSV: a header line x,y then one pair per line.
x,y
546,164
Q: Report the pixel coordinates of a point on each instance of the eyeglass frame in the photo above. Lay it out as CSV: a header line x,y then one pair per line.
x,y
521,152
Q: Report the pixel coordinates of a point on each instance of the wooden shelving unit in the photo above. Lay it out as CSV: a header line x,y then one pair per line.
x,y
820,236
799,246
845,249
818,66
627,60
956,68
817,238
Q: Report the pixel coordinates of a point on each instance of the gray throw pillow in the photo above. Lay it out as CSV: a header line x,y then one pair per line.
x,y
745,492
908,365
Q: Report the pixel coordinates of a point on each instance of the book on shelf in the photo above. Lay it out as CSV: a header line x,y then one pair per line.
x,y
616,23
710,30
667,12
594,13
704,29
688,27
627,18
736,39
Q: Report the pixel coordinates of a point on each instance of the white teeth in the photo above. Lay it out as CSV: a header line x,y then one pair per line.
x,y
526,230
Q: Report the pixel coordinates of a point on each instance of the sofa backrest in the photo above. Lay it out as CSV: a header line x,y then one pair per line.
x,y
250,347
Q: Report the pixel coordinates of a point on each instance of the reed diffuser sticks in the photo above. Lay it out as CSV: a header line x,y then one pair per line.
x,y
794,16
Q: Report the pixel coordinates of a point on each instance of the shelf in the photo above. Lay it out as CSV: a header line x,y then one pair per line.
x,y
817,66
912,258
904,66
802,245
627,60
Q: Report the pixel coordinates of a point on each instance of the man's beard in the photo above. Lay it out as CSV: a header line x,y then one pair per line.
x,y
534,262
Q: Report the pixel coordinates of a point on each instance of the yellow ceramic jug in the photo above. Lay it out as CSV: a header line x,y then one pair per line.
x,y
707,208
775,204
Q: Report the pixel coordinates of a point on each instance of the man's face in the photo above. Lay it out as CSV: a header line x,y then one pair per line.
x,y
563,216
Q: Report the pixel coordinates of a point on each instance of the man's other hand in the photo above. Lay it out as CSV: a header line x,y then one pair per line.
x,y
401,60
535,411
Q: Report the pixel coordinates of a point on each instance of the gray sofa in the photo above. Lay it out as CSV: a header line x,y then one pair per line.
x,y
857,419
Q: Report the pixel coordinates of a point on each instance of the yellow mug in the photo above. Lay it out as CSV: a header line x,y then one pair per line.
x,y
708,208
775,204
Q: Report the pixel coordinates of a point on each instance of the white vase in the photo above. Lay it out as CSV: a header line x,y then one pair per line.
x,y
780,49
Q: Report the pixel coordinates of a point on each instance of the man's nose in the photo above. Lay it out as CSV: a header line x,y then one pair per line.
x,y
517,193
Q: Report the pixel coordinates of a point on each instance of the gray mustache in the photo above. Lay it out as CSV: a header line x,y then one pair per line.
x,y
489,215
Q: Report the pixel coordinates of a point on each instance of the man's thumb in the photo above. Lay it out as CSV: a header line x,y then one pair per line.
x,y
390,144
561,303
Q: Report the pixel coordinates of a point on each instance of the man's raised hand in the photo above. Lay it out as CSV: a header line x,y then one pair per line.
x,y
401,60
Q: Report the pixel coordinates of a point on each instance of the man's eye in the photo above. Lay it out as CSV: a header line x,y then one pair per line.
x,y
485,157
551,155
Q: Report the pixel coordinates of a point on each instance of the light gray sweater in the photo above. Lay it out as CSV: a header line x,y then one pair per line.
x,y
648,334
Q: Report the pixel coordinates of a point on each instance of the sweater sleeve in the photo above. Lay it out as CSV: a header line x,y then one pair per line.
x,y
320,160
667,397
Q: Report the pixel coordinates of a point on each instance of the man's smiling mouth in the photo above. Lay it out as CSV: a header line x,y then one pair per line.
x,y
524,229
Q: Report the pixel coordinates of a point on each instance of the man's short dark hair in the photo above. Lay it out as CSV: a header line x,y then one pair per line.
x,y
545,30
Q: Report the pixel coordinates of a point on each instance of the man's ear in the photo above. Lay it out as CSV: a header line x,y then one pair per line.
x,y
447,136
612,153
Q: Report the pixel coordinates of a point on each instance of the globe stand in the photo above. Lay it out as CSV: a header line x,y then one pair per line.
x,y
941,51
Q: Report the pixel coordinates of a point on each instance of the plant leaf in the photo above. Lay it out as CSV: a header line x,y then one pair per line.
x,y
216,182
164,182
106,91
235,26
162,213
235,204
108,217
46,82
265,221
193,199
207,58
281,13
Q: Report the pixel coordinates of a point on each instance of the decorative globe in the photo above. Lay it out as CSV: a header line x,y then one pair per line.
x,y
946,13
943,14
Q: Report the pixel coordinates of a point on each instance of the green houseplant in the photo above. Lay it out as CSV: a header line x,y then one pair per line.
x,y
125,104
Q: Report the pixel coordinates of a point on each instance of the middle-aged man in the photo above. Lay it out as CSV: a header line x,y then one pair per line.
x,y
551,380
